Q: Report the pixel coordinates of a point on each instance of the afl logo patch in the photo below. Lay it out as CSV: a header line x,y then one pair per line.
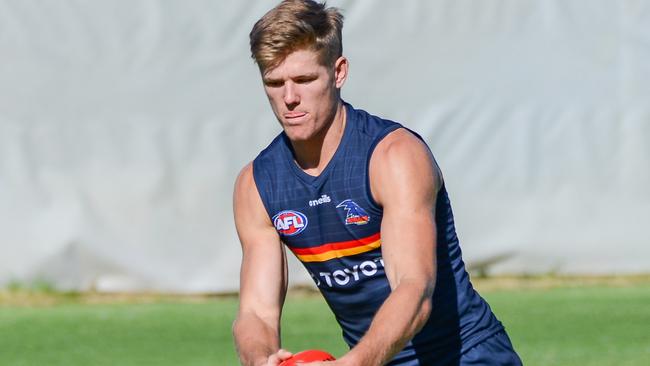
x,y
290,222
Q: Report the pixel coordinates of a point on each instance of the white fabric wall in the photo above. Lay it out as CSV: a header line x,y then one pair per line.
x,y
123,125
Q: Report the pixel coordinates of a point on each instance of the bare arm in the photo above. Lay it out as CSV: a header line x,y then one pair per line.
x,y
263,278
405,180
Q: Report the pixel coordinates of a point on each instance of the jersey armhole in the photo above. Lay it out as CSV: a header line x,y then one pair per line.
x,y
373,146
260,188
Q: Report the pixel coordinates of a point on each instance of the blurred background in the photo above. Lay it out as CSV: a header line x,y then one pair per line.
x,y
123,125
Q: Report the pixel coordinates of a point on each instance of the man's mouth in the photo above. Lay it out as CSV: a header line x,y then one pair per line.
x,y
294,118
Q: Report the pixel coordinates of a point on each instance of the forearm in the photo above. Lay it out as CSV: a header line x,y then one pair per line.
x,y
396,322
255,339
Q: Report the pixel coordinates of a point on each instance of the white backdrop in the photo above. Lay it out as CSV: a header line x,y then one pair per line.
x,y
124,123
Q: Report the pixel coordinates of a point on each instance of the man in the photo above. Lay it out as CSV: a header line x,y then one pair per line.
x,y
361,202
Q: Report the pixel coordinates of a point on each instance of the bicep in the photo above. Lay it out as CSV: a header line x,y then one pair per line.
x,y
263,276
404,181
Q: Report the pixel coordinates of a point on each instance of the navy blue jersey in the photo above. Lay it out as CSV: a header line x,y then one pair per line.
x,y
332,225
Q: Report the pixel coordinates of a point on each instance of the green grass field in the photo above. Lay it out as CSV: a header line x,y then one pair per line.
x,y
592,325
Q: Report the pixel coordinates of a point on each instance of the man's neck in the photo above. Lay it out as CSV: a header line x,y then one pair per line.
x,y
313,155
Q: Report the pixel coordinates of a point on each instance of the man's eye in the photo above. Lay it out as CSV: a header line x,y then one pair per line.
x,y
304,81
273,84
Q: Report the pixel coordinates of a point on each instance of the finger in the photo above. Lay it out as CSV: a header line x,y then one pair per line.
x,y
283,354
277,358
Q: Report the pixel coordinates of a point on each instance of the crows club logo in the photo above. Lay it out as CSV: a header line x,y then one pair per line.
x,y
290,222
354,214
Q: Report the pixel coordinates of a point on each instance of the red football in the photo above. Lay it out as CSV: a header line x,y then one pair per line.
x,y
310,355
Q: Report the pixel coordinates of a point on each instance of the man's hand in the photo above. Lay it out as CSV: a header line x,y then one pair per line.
x,y
276,358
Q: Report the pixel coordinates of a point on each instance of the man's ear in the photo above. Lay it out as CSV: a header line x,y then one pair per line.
x,y
340,71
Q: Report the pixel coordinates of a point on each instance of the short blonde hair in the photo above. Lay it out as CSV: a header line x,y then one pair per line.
x,y
294,25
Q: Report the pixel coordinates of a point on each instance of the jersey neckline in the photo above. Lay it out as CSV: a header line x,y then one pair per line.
x,y
316,180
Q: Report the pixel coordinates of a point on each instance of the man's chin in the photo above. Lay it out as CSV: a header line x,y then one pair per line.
x,y
297,137
297,134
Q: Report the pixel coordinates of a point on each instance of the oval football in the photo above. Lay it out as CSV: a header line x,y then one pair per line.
x,y
308,356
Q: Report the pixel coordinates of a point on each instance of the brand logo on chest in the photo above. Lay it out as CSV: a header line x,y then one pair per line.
x,y
322,199
289,222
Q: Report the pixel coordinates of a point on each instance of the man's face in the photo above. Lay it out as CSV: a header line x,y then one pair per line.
x,y
304,94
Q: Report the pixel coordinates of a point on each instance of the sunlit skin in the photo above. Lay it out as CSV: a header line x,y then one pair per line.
x,y
305,97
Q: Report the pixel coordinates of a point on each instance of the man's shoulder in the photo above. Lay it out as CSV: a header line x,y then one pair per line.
x,y
402,139
244,183
400,152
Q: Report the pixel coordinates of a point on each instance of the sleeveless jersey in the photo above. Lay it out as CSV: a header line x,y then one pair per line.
x,y
332,224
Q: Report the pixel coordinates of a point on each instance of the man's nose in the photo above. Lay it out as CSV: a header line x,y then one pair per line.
x,y
291,96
